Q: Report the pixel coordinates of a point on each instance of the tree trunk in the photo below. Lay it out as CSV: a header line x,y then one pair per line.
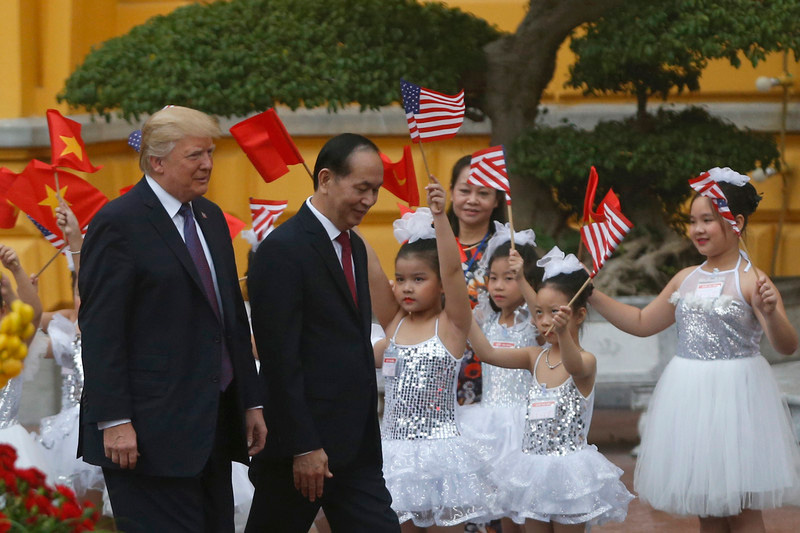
x,y
520,66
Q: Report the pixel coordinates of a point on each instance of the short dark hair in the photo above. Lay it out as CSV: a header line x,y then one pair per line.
x,y
335,154
569,285
424,249
498,213
532,272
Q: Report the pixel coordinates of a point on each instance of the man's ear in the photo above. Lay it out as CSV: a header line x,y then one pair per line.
x,y
324,179
156,163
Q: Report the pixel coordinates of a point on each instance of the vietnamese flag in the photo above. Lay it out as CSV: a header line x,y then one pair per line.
x,y
8,213
66,144
235,226
400,178
268,146
34,192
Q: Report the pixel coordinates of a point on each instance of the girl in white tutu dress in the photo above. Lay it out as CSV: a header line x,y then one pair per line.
x,y
718,441
498,419
437,478
555,481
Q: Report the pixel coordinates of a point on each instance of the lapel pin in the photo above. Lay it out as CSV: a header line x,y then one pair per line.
x,y
203,214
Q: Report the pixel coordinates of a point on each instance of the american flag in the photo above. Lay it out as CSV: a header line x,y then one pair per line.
x,y
135,140
706,186
488,169
602,238
265,213
52,238
431,115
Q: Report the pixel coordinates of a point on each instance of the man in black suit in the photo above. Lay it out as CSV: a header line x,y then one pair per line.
x,y
171,393
311,311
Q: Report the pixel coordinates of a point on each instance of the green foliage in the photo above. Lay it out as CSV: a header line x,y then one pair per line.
x,y
648,171
660,46
234,57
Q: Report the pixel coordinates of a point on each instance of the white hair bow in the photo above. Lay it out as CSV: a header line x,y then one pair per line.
x,y
502,234
555,262
728,175
414,226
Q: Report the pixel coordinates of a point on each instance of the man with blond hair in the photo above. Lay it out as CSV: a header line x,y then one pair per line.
x,y
171,394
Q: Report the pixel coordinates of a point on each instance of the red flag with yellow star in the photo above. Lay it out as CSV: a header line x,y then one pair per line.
x,y
400,178
34,192
8,213
66,143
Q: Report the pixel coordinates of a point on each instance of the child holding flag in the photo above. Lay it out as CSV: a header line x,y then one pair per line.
x,y
718,443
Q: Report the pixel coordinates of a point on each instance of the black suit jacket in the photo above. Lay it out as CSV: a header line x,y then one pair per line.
x,y
152,344
314,345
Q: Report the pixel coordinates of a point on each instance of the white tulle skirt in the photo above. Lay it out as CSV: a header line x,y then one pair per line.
x,y
500,428
242,495
29,453
440,482
718,440
58,440
580,487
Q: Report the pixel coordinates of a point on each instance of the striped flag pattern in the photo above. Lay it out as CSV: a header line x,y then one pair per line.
x,y
706,186
56,240
602,238
265,213
488,169
431,115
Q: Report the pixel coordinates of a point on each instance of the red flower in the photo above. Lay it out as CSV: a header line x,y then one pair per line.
x,y
472,370
9,480
32,476
69,510
5,525
8,456
66,492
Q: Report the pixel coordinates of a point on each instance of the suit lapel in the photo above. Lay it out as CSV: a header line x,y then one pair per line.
x,y
215,247
169,233
324,247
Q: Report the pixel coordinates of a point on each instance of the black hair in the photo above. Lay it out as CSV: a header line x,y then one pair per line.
x,y
742,200
569,285
424,249
533,274
335,154
498,213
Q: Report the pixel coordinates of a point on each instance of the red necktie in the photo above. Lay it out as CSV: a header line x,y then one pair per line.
x,y
347,263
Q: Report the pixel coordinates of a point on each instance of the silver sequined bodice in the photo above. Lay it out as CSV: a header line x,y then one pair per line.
x,y
507,387
564,433
715,328
66,344
10,396
421,397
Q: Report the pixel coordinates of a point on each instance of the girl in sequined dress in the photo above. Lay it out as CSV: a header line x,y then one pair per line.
x,y
718,441
506,321
437,478
555,481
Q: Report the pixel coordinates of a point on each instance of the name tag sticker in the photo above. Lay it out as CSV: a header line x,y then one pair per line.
x,y
389,367
543,409
502,344
709,289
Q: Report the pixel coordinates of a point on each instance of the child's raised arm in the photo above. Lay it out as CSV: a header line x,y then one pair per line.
x,y
26,291
457,306
517,265
580,365
384,304
66,221
769,310
504,357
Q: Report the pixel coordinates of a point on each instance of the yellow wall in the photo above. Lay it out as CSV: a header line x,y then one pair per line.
x,y
45,40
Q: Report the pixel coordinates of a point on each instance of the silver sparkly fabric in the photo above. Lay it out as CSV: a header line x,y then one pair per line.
x,y
718,328
507,387
421,397
72,376
10,396
566,432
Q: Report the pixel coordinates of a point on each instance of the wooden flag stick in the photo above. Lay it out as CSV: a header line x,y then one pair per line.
x,y
425,161
511,226
51,260
308,170
58,189
243,278
583,287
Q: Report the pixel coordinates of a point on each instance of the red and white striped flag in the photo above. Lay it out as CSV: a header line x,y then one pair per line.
x,y
602,238
706,186
488,169
54,239
431,115
265,213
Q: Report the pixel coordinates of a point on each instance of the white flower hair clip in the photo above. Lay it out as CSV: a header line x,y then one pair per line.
x,y
414,226
555,262
728,175
502,234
